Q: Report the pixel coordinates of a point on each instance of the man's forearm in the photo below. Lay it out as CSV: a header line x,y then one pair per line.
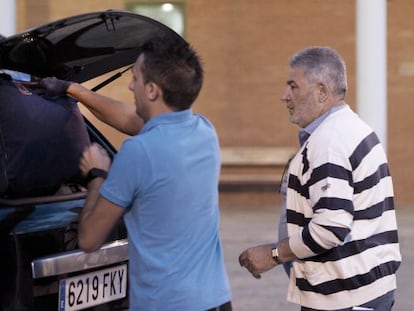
x,y
85,232
285,253
117,114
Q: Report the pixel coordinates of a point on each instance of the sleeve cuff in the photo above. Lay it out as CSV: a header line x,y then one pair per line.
x,y
299,248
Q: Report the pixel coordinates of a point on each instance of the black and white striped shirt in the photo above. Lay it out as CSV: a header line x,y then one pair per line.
x,y
341,218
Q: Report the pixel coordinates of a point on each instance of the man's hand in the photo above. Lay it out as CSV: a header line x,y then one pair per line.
x,y
94,157
257,259
54,87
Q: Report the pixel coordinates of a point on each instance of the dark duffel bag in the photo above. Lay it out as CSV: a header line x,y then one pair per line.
x,y
41,141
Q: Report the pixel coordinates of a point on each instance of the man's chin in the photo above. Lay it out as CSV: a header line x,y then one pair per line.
x,y
292,119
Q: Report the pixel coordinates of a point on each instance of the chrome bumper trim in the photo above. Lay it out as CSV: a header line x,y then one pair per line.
x,y
74,261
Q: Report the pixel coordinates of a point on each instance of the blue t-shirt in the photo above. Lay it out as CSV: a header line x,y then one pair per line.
x,y
166,178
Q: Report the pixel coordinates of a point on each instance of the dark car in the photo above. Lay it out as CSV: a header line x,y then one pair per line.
x,y
41,267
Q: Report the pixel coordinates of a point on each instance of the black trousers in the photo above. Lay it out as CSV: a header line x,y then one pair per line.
x,y
224,307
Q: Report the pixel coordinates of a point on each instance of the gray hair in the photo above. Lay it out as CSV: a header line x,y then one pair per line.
x,y
323,65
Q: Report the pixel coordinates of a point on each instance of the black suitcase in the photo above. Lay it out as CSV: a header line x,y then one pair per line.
x,y
41,141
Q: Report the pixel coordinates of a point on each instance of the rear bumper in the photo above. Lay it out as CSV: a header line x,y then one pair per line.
x,y
77,261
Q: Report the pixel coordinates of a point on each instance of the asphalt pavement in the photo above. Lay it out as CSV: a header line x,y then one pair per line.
x,y
248,220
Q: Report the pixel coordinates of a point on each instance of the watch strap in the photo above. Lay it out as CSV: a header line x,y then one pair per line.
x,y
94,173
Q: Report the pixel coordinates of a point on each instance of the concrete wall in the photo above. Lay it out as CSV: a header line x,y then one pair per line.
x,y
245,46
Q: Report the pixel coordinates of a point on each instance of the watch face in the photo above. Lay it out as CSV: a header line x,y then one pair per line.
x,y
275,255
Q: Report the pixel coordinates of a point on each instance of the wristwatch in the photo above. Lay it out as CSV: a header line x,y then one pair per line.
x,y
275,255
95,172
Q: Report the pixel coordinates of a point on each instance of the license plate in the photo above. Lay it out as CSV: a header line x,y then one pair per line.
x,y
93,288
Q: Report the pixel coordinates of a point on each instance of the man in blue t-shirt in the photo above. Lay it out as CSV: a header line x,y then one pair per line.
x,y
163,181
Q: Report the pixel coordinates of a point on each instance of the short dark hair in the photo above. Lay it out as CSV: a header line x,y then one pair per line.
x,y
175,67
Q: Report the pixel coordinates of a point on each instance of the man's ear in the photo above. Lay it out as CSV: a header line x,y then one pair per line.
x,y
323,92
152,90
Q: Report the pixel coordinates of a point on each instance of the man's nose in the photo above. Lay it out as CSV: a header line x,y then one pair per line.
x,y
285,97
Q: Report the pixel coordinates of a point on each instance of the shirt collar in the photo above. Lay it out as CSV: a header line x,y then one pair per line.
x,y
307,131
167,118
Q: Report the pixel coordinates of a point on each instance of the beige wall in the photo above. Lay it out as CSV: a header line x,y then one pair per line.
x,y
400,97
245,46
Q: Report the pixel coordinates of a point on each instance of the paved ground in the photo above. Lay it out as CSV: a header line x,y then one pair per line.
x,y
244,225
